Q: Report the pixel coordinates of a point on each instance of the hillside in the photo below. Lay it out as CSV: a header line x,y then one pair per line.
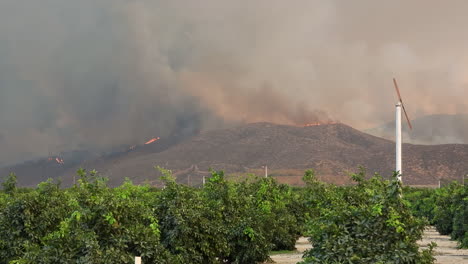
x,y
332,150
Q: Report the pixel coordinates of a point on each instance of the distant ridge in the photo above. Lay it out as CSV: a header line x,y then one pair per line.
x,y
331,149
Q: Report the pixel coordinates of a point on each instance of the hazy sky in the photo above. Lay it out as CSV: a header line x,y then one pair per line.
x,y
99,73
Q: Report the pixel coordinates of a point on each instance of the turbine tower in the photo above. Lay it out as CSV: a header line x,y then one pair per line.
x,y
399,105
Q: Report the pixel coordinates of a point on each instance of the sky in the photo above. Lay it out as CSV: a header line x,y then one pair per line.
x,y
96,74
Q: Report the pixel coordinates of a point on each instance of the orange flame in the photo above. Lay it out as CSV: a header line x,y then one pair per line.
x,y
319,124
57,159
152,140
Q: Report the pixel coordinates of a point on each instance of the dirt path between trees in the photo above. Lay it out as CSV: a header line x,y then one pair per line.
x,y
446,251
302,245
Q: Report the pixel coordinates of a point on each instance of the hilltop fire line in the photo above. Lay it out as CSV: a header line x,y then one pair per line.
x,y
319,124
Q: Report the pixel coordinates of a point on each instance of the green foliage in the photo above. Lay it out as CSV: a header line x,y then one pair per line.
x,y
365,223
280,214
89,223
190,229
460,223
242,220
421,201
27,217
222,222
446,208
9,185
451,212
313,199
233,222
447,202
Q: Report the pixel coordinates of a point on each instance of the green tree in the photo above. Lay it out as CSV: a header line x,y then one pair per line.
x,y
366,223
89,223
248,239
9,185
190,229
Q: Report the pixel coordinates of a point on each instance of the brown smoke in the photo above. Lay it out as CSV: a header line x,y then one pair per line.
x,y
94,74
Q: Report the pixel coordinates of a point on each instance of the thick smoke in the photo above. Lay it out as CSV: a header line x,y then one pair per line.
x,y
94,74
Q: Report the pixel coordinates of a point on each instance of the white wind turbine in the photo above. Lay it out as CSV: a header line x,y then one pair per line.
x,y
398,107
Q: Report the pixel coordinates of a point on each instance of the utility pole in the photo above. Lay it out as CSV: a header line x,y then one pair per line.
x,y
266,170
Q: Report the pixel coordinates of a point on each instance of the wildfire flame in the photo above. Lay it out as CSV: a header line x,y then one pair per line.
x,y
58,160
319,124
152,140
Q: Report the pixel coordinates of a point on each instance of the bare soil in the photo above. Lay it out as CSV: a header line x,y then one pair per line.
x,y
445,253
446,250
302,245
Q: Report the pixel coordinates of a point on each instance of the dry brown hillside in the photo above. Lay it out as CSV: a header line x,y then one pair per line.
x,y
332,150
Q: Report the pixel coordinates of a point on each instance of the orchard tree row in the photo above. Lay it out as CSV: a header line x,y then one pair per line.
x,y
446,208
222,222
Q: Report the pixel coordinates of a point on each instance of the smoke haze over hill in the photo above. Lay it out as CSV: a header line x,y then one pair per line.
x,y
95,74
430,129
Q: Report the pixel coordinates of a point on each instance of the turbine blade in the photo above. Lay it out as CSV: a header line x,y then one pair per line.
x,y
402,105
397,90
407,118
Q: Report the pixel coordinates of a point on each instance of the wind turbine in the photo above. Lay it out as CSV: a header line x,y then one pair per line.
x,y
399,105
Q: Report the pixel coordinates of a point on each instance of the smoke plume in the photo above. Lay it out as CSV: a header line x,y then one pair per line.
x,y
94,74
